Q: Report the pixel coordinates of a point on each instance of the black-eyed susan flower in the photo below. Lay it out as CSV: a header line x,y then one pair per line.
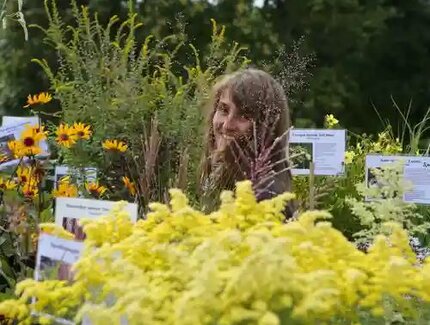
x,y
115,145
66,135
95,189
82,131
29,142
7,184
129,185
42,98
23,174
65,189
30,189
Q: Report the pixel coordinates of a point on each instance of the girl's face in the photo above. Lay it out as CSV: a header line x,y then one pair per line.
x,y
228,123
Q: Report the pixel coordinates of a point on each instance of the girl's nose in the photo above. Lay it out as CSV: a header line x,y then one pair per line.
x,y
229,125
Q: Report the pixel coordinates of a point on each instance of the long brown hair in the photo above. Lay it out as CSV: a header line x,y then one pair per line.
x,y
261,99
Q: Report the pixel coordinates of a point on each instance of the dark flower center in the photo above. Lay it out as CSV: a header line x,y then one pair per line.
x,y
64,137
29,142
80,134
95,191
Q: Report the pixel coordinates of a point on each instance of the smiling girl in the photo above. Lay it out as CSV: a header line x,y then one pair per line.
x,y
247,131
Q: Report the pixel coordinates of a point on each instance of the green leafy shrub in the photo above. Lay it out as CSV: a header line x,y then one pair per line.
x,y
136,93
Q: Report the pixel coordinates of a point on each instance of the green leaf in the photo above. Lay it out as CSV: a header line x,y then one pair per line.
x,y
47,215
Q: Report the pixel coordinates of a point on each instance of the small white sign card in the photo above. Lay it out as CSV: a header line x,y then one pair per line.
x,y
12,120
55,256
416,171
13,132
68,211
324,147
54,260
90,174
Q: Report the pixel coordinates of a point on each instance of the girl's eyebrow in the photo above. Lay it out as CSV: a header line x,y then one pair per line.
x,y
223,101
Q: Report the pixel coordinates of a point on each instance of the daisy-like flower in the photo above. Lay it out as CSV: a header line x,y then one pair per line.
x,y
95,189
30,189
28,144
24,174
42,98
82,131
65,189
330,121
66,135
115,145
129,185
7,184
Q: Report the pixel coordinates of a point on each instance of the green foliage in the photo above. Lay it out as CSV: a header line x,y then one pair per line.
x,y
363,52
137,93
386,204
16,16
333,193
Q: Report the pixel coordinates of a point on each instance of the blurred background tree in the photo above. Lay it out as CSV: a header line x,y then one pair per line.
x,y
365,53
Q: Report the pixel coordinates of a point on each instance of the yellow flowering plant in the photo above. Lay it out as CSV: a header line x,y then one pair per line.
x,y
330,121
240,264
39,99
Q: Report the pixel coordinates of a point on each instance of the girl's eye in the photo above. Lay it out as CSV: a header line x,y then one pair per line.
x,y
223,108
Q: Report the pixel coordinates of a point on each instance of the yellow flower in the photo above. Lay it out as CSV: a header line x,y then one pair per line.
x,y
30,189
129,185
331,121
41,98
30,140
65,189
82,131
172,267
349,157
7,184
66,135
115,145
24,174
95,189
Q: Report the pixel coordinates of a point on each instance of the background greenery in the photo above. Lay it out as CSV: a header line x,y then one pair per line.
x,y
365,53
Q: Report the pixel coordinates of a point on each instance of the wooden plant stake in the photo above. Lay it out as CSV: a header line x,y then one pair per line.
x,y
311,185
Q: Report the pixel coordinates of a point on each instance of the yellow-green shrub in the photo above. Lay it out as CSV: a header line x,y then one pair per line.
x,y
238,265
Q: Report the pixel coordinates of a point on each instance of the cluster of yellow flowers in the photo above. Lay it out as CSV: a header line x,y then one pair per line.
x,y
240,264
65,188
65,135
26,181
385,144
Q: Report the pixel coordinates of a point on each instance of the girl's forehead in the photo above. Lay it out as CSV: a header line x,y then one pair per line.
x,y
225,94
